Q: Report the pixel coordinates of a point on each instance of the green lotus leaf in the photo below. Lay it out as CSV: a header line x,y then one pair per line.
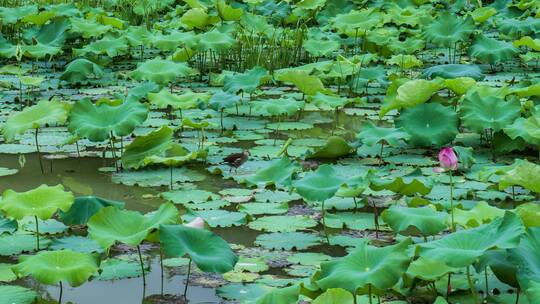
x,y
480,113
335,147
53,33
288,295
287,240
208,251
451,71
460,85
227,12
216,41
411,183
188,100
153,143
405,62
80,70
528,42
372,135
161,71
137,35
492,51
480,214
319,185
526,129
528,213
109,46
533,291
368,75
98,122
7,225
307,84
34,117
110,224
428,270
280,107
415,221
334,296
88,28
117,269
282,223
525,259
279,173
11,15
217,218
320,48
84,207
365,266
390,101
246,82
196,18
429,124
448,29
6,274
417,91
172,41
222,100
464,247
43,202
525,174
528,91
7,50
17,295
51,267
356,23
482,14
39,50
76,243
174,156
323,101
516,28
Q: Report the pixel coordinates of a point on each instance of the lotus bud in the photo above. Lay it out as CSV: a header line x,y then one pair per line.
x,y
196,223
448,159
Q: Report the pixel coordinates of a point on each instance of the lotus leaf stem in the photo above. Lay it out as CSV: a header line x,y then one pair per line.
x,y
187,279
38,152
37,233
142,265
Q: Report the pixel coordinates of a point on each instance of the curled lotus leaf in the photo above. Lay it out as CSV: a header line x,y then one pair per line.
x,y
99,122
319,185
489,112
448,29
491,50
43,202
80,70
153,143
34,117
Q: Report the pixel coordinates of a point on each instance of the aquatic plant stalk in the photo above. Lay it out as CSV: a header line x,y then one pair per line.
x,y
142,265
187,279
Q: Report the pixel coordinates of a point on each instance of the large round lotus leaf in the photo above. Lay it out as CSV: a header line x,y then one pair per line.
x,y
481,213
222,100
161,71
334,296
525,257
411,183
460,85
17,295
515,28
448,29
277,107
208,251
480,113
524,174
51,267
188,100
372,135
319,48
44,113
175,156
196,18
110,224
319,185
429,124
526,129
97,122
84,208
492,51
451,71
153,143
216,41
7,225
415,221
323,101
428,270
117,269
288,240
335,147
10,15
80,70
76,243
417,91
462,248
528,213
108,46
307,84
42,202
283,223
19,243
380,267
355,23
288,295
278,173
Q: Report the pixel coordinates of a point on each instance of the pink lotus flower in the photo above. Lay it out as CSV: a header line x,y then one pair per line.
x,y
448,160
196,223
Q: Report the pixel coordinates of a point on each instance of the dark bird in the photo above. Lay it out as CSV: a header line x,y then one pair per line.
x,y
235,160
